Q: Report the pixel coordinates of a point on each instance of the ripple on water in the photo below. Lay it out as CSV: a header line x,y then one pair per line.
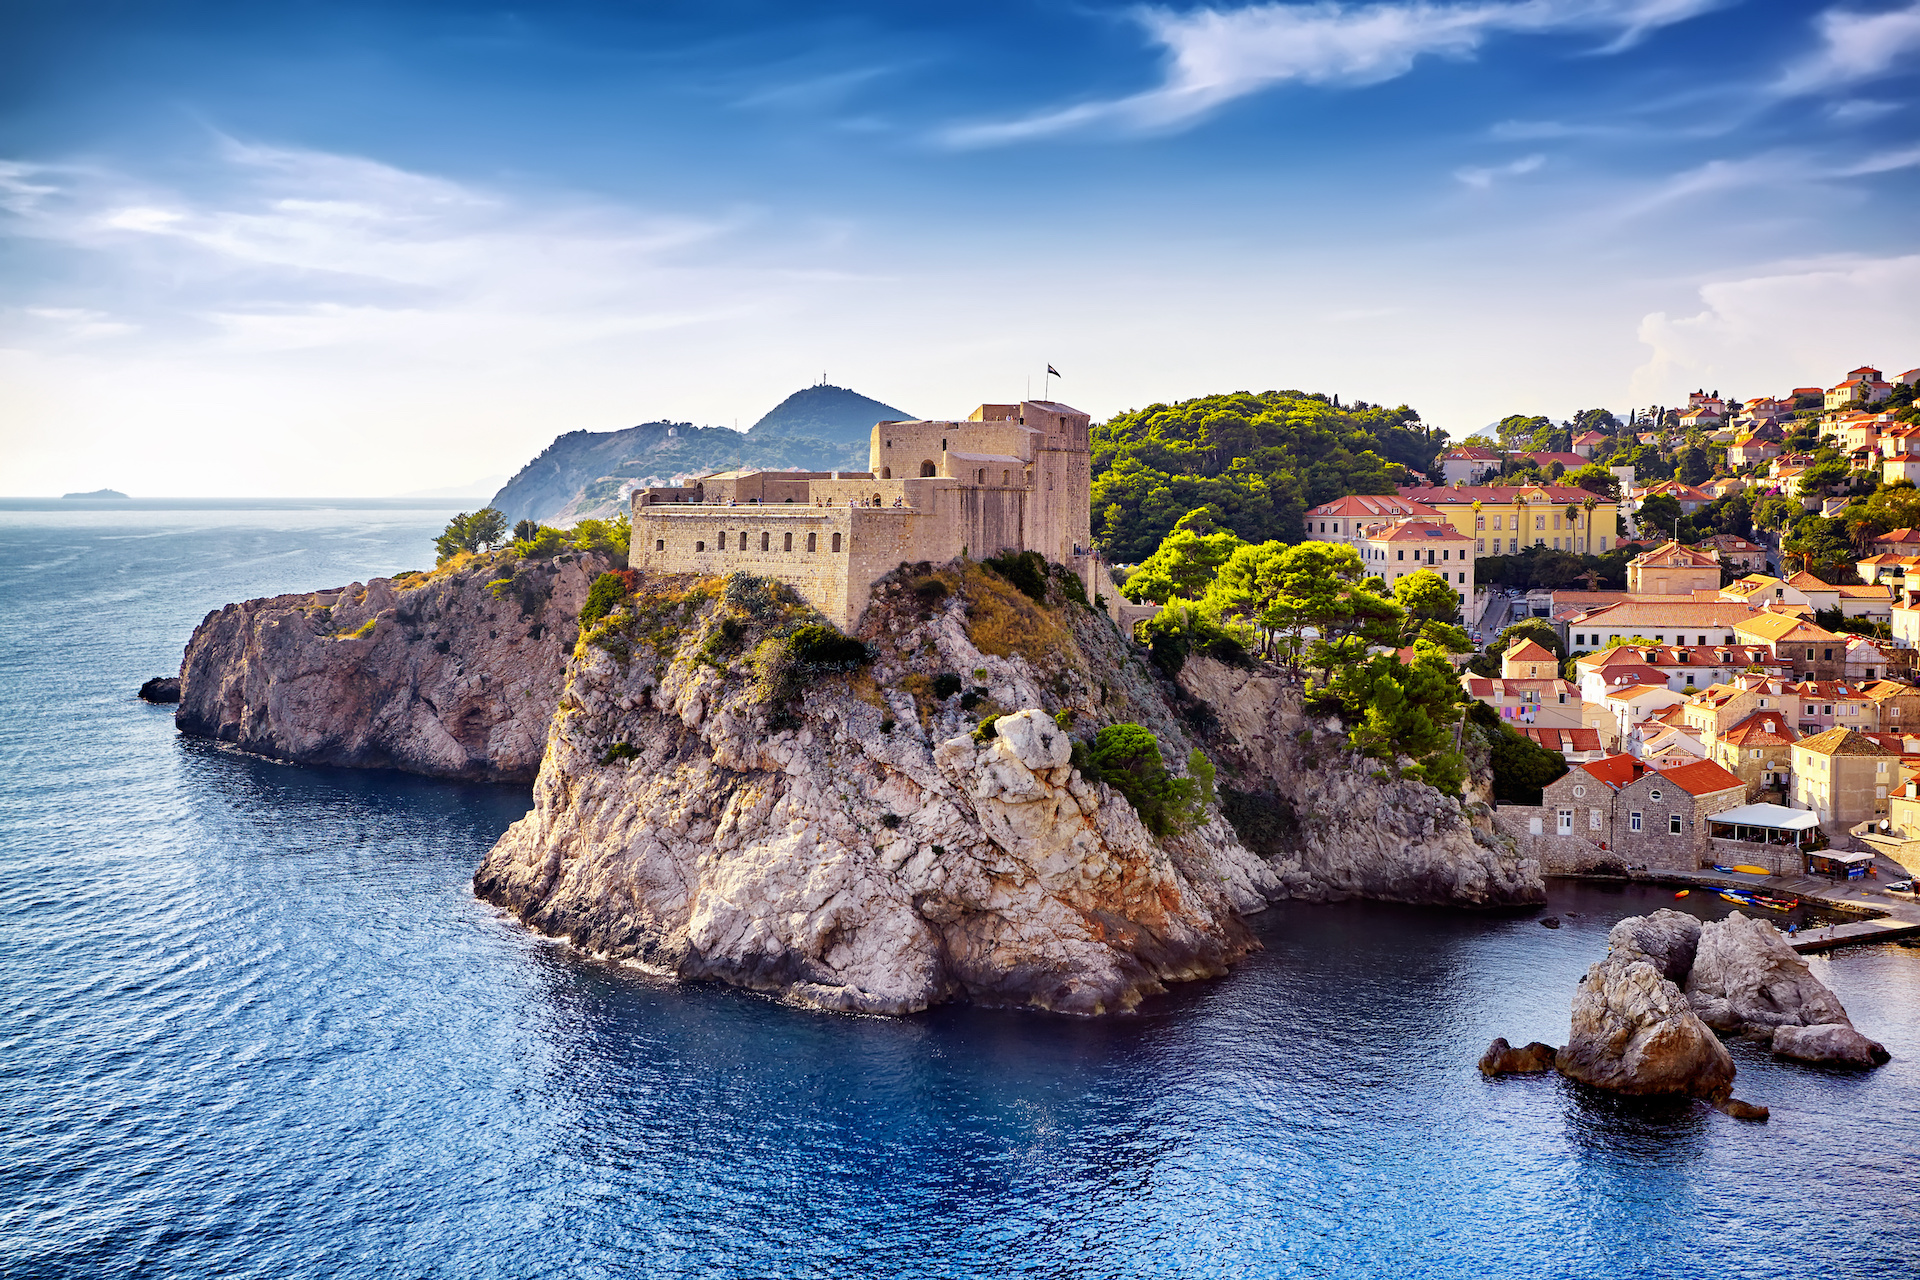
x,y
256,1025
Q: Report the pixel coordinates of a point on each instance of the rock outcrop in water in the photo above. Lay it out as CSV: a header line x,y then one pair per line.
x,y
713,806
1746,980
1333,829
1633,1030
161,689
440,674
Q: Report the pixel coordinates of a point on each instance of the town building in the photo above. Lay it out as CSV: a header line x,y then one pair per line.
x,y
1470,463
1671,569
1396,549
1679,620
1758,751
1843,777
1577,745
1010,477
1547,702
1617,812
1864,385
1503,518
1630,706
1680,668
1714,710
1528,660
1834,704
1345,519
1736,552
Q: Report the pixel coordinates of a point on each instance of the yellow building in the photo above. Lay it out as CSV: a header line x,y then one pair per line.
x,y
1501,519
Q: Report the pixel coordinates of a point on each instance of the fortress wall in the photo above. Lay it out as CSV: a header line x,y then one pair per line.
x,y
820,576
903,446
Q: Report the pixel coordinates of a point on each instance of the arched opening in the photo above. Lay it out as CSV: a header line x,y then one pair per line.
x,y
980,477
813,542
1006,476
886,473
927,469
876,499
699,546
836,542
789,540
659,544
766,541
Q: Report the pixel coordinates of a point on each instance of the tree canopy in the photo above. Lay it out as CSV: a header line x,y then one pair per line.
x,y
1258,461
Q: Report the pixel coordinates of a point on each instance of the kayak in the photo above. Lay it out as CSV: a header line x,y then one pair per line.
x,y
1753,871
1683,893
1741,898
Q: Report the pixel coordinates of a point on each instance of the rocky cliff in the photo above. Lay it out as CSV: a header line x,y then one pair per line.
x,y
721,801
1330,822
441,674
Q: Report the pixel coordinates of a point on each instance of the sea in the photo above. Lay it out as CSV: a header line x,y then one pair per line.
x,y
253,1023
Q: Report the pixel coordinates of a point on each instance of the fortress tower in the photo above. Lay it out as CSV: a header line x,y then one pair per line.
x,y
1008,477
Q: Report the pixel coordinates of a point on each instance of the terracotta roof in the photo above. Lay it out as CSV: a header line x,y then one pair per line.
x,y
1528,651
1876,592
1571,461
1899,537
1615,770
1499,495
1416,531
1843,742
1473,453
1672,554
1881,690
1372,504
1633,691
1761,729
1563,740
1701,778
1774,627
1807,582
1635,614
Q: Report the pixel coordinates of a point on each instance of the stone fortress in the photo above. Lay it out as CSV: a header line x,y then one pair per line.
x,y
1011,477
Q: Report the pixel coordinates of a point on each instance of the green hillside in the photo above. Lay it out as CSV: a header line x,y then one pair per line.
x,y
822,412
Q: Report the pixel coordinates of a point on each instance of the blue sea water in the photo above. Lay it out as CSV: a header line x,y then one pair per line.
x,y
255,1024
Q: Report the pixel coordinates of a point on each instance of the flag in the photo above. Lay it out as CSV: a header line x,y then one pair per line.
x,y
1051,370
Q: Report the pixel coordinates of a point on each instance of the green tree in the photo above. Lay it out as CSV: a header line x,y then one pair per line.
x,y
483,529
1396,710
1657,516
1538,629
1185,563
1596,479
1693,467
1521,766
1425,598
1773,514
1127,758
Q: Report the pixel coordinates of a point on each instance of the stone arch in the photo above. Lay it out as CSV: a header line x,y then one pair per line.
x,y
927,469
836,542
886,473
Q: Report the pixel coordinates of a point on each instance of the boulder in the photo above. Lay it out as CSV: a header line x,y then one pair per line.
x,y
1634,1033
161,689
1830,1043
1667,940
1742,1110
1745,978
1502,1059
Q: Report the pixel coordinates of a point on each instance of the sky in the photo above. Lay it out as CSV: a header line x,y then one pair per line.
x,y
359,249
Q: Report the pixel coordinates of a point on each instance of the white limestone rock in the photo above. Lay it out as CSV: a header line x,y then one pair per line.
x,y
1634,1033
1745,978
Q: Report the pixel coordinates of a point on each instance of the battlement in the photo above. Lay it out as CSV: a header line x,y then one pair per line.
x,y
1007,478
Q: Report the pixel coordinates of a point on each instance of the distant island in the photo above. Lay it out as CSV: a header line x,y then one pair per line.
x,y
97,493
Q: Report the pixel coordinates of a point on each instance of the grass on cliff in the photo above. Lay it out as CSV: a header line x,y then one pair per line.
x,y
1002,620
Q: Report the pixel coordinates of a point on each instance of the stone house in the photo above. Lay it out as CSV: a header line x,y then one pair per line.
x,y
1344,520
1810,652
1619,812
1758,751
1628,707
1502,518
1404,547
1714,710
1010,477
1843,777
1528,660
1673,570
1577,745
1736,551
1833,704
1899,704
1678,667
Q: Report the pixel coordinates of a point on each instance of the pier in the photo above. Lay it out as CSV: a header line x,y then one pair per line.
x,y
1882,916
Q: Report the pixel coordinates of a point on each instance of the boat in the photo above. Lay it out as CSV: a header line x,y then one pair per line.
x,y
1744,899
1683,893
1752,870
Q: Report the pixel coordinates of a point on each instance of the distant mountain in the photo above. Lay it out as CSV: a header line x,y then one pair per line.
x,y
589,473
829,413
97,493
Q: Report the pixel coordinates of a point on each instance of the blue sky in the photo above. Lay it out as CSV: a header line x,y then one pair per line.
x,y
274,248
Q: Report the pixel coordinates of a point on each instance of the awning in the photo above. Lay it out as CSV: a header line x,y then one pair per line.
x,y
1776,816
1831,855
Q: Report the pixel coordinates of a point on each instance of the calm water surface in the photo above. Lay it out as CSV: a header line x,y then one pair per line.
x,y
255,1024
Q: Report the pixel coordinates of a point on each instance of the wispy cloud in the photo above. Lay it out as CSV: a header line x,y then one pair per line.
x,y
1855,47
1215,56
1483,178
1775,170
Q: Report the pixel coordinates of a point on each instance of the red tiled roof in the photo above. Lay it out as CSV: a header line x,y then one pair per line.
x,y
1498,495
1702,778
1416,530
1762,728
1373,504
1615,770
1563,740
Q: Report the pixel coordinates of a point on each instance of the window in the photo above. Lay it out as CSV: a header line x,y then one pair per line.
x,y
1829,657
1566,822
836,542
1633,820
1673,824
1810,711
1513,545
1539,522
699,546
1533,826
1756,754
659,544
1809,655
786,542
813,542
1463,578
766,541
1496,522
1479,544
1401,555
1593,819
1826,711
1879,766
1654,794
1479,522
1579,790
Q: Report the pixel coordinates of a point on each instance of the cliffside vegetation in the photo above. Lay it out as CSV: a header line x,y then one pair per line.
x,y
1259,461
1377,658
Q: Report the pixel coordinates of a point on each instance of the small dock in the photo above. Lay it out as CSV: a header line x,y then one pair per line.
x,y
1880,916
1827,937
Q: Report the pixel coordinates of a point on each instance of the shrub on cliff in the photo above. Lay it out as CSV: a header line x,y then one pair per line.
x,y
486,527
608,592
822,648
1521,766
1126,757
1178,632
1026,570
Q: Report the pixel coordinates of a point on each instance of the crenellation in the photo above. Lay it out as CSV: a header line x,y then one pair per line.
x,y
1007,478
